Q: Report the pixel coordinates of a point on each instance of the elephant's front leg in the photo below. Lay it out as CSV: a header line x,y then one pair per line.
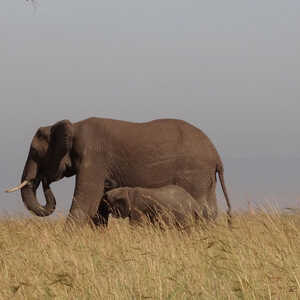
x,y
87,195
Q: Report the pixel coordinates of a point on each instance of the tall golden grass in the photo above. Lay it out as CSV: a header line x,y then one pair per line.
x,y
259,258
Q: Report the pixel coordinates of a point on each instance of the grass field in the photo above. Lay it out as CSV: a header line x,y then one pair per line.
x,y
258,259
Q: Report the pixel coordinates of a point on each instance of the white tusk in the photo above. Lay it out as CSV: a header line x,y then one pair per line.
x,y
17,187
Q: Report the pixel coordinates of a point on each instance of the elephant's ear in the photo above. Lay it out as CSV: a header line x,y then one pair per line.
x,y
121,205
61,137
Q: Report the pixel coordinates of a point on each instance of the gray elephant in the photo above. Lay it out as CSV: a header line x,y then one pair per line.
x,y
171,205
151,154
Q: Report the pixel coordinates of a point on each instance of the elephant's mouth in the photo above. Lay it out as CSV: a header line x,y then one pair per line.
x,y
61,172
69,172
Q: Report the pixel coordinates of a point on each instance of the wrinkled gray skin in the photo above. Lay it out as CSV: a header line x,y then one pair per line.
x,y
171,205
152,154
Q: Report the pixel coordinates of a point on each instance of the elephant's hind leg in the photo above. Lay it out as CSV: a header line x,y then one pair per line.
x,y
201,184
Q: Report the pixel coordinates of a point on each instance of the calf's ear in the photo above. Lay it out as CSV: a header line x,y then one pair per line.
x,y
121,206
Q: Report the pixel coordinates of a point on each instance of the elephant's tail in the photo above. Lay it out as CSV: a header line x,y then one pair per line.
x,y
220,171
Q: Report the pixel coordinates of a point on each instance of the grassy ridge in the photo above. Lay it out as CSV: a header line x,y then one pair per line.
x,y
258,259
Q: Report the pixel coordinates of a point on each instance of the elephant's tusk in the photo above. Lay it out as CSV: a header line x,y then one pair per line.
x,y
24,183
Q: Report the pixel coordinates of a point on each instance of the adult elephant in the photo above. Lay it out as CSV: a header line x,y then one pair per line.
x,y
151,154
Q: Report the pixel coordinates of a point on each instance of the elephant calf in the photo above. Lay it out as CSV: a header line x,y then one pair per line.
x,y
170,204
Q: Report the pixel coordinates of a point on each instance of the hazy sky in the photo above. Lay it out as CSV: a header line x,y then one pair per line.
x,y
232,68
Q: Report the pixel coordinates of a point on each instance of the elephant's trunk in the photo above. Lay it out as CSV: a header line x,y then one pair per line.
x,y
50,199
28,192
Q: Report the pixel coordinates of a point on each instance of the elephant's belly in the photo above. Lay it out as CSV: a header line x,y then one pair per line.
x,y
172,169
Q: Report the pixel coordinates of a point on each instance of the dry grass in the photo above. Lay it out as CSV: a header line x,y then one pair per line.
x,y
258,259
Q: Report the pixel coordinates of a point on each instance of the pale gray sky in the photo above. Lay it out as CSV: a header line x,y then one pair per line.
x,y
231,68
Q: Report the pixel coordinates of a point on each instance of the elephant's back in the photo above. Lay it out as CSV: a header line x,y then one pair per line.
x,y
176,134
161,127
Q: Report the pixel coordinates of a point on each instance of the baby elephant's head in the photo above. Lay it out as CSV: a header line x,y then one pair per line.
x,y
119,202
